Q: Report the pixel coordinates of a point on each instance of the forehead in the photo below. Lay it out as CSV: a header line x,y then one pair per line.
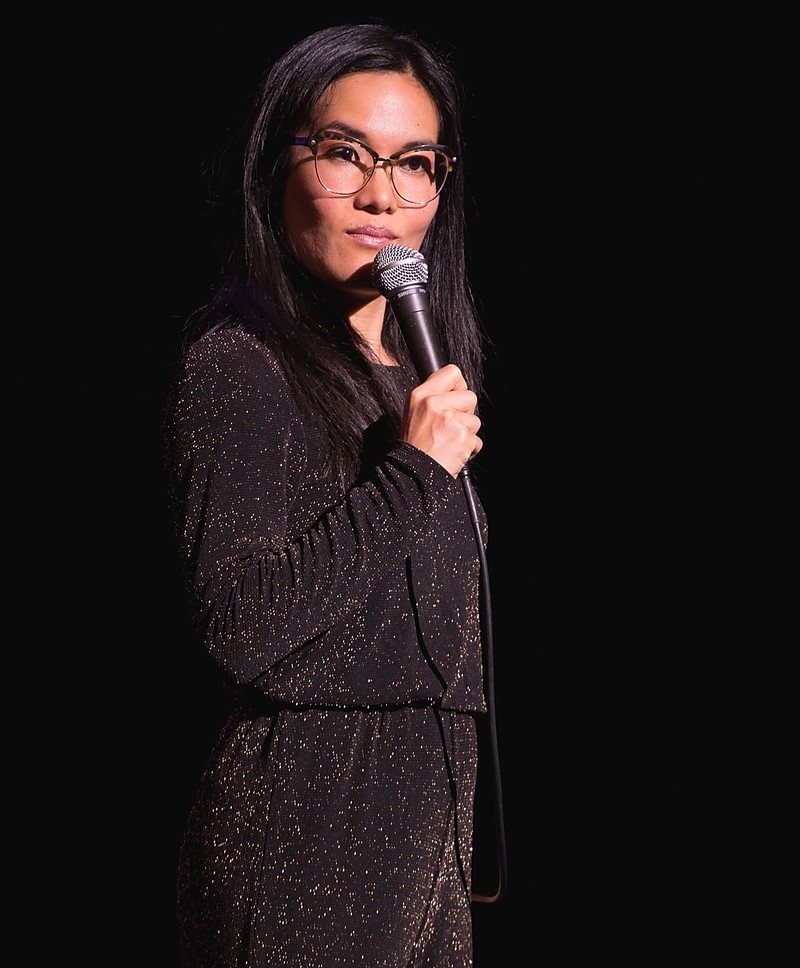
x,y
380,107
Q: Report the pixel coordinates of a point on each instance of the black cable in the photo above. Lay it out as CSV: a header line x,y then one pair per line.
x,y
488,640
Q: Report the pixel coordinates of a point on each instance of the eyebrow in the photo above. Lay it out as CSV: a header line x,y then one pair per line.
x,y
342,127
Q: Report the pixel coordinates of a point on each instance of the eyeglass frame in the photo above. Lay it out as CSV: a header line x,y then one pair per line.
x,y
392,161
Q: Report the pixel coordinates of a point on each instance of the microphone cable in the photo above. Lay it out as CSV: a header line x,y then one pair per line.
x,y
488,655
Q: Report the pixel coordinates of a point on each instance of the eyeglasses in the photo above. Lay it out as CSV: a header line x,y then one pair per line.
x,y
344,165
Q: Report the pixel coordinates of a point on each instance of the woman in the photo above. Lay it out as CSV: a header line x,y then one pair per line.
x,y
329,552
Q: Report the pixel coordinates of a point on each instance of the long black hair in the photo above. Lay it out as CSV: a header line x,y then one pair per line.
x,y
264,289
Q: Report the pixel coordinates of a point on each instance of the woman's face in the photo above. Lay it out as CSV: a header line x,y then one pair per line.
x,y
336,237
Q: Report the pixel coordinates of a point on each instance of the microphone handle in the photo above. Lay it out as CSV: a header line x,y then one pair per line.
x,y
413,312
414,315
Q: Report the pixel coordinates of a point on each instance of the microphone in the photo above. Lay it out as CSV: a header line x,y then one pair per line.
x,y
401,275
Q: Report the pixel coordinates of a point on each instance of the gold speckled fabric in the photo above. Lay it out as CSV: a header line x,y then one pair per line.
x,y
333,823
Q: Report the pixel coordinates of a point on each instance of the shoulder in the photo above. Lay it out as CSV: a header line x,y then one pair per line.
x,y
230,363
229,352
228,375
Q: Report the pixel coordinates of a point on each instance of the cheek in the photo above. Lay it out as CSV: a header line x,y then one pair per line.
x,y
301,213
419,222
312,230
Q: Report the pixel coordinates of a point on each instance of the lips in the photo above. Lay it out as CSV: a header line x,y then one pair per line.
x,y
373,235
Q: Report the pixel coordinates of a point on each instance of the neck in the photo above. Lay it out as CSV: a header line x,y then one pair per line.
x,y
367,321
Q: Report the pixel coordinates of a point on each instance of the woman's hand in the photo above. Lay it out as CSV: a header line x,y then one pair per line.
x,y
440,419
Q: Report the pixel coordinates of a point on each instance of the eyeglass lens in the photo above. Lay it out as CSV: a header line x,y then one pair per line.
x,y
344,168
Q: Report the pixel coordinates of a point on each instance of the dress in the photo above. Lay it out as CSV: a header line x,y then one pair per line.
x,y
332,827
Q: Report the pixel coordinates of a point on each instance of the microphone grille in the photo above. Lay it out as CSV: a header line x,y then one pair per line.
x,y
396,266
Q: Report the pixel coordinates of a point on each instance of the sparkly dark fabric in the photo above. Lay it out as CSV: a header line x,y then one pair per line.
x,y
333,824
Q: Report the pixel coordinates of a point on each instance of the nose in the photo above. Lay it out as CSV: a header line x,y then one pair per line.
x,y
379,190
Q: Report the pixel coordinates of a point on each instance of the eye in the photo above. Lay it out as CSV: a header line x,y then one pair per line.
x,y
419,163
343,151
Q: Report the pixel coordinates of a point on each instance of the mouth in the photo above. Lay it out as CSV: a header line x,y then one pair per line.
x,y
371,235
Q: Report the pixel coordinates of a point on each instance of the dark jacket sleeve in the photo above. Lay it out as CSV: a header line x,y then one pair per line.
x,y
301,590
